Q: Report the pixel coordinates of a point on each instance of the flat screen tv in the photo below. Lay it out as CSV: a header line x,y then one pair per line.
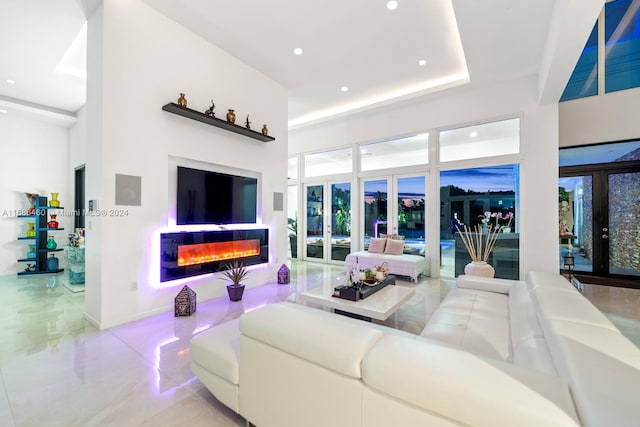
x,y
206,197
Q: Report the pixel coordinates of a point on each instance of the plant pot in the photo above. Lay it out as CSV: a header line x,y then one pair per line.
x,y
479,268
235,292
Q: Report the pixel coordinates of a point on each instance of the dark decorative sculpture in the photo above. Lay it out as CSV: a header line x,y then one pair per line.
x,y
209,111
247,123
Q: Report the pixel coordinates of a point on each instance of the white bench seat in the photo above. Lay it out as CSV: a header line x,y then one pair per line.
x,y
400,265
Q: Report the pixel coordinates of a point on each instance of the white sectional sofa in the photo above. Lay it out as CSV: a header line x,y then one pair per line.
x,y
496,353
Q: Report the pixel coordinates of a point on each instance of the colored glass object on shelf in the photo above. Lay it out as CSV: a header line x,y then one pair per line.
x,y
51,243
32,252
31,232
32,201
54,203
53,223
52,263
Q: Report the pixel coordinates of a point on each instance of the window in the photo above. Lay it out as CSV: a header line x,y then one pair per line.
x,y
621,54
622,48
584,80
328,163
292,168
484,140
409,151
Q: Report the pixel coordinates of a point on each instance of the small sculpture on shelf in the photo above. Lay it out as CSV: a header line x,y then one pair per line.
x,y
182,101
265,131
247,123
30,267
231,116
209,111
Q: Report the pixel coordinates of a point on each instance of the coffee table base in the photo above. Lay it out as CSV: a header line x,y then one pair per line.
x,y
352,315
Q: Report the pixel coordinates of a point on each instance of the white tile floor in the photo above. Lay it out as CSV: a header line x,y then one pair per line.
x,y
58,370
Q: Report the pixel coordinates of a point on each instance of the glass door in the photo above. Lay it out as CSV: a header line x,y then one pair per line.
x,y
406,216
598,217
622,248
314,224
328,221
575,222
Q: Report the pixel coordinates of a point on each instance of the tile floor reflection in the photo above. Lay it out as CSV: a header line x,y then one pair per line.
x,y
56,369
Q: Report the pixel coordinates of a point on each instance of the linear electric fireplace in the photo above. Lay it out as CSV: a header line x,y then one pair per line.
x,y
186,254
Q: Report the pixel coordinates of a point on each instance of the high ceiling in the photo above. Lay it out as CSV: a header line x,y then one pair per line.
x,y
359,44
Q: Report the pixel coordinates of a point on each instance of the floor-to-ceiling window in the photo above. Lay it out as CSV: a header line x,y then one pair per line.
x,y
483,198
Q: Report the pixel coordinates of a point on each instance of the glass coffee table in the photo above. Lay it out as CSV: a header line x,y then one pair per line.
x,y
378,306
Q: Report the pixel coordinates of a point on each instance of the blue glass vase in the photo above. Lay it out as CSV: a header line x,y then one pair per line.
x,y
52,263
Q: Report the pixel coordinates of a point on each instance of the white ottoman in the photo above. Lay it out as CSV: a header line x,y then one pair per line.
x,y
214,360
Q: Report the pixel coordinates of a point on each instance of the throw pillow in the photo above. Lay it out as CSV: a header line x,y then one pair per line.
x,y
394,247
376,246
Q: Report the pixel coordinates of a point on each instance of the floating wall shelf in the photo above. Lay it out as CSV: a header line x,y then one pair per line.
x,y
214,121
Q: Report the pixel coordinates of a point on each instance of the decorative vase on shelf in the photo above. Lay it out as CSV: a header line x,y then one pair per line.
x,y
32,252
32,202
231,116
52,263
51,243
53,223
479,268
265,131
31,232
54,203
182,101
506,229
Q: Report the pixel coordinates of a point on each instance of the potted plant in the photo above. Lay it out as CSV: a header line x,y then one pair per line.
x,y
235,272
293,236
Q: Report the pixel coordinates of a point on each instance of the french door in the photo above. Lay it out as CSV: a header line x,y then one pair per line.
x,y
327,235
598,219
395,204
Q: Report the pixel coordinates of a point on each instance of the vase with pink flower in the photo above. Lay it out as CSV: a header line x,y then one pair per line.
x,y
32,202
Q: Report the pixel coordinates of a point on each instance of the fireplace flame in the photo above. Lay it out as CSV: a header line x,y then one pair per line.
x,y
219,251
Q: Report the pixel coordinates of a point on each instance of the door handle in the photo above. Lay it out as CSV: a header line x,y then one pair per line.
x,y
605,236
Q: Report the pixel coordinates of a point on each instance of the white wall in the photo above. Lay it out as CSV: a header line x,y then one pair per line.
x,y
33,159
138,61
604,118
463,105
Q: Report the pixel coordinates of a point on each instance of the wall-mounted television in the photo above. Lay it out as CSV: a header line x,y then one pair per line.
x,y
206,197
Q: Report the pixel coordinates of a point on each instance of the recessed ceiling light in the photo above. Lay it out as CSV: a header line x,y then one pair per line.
x,y
297,51
392,5
344,89
11,82
473,134
3,111
422,62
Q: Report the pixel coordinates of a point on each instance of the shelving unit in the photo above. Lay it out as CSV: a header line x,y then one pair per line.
x,y
41,237
214,121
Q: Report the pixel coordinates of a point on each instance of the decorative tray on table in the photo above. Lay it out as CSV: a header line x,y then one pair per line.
x,y
362,290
